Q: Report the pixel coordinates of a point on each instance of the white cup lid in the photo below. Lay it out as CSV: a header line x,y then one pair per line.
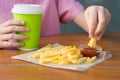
x,y
27,9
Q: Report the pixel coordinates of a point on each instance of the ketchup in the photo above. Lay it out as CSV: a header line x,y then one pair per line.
x,y
90,52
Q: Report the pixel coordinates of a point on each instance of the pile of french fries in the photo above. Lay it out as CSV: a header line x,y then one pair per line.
x,y
62,55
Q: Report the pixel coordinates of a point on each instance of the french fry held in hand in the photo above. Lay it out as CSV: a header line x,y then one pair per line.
x,y
92,42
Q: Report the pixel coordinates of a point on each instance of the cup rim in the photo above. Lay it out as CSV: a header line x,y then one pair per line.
x,y
27,9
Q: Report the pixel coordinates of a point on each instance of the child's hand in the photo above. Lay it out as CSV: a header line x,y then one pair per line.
x,y
7,30
97,18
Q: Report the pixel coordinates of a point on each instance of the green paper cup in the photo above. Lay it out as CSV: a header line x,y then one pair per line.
x,y
32,15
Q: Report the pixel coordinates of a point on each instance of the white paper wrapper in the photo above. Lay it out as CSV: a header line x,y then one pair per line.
x,y
78,67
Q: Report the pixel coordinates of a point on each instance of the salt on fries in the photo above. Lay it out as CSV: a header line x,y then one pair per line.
x,y
61,55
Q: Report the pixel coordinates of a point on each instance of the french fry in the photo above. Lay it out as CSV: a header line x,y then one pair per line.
x,y
90,60
92,42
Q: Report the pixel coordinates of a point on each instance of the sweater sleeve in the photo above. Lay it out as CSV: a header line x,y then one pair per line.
x,y
68,10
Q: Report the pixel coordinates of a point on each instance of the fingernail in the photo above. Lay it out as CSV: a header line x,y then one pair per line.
x,y
22,22
21,44
90,36
26,29
25,37
98,38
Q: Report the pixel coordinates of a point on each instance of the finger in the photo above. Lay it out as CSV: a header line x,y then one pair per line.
x,y
101,21
12,22
91,18
108,15
6,44
12,37
108,18
4,30
100,36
